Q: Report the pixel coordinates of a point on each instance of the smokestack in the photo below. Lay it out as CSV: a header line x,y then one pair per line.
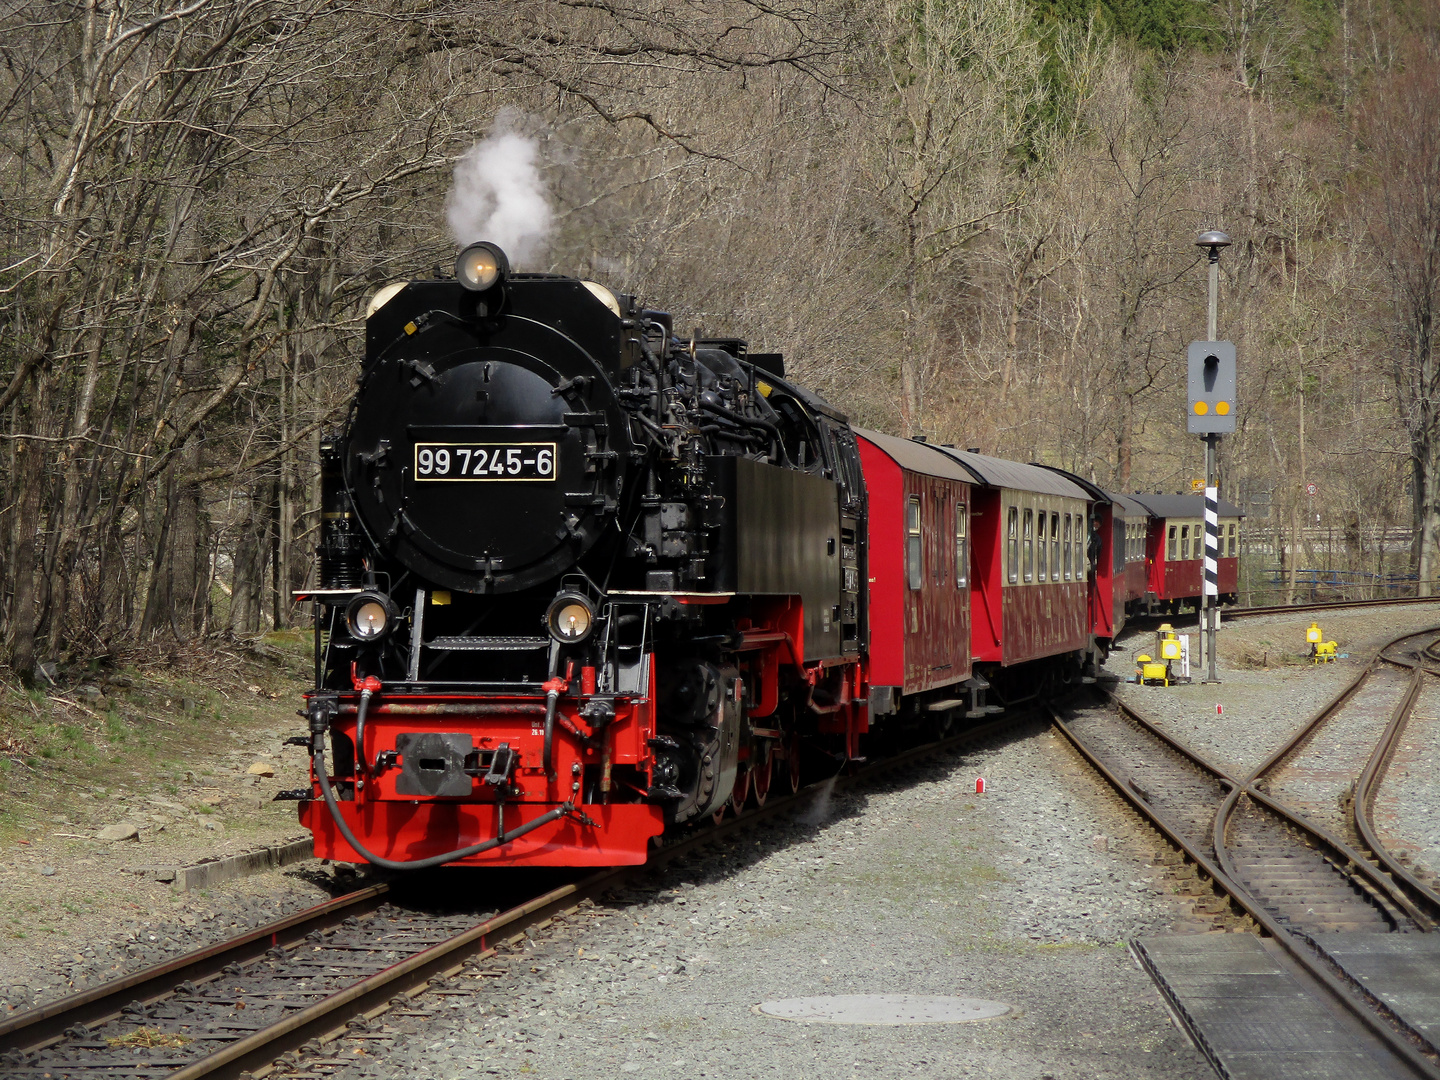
x,y
498,195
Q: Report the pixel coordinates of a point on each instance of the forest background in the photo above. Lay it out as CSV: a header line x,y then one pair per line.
x,y
972,220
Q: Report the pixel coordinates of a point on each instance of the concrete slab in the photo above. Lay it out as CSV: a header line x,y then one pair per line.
x,y
1402,970
1250,1016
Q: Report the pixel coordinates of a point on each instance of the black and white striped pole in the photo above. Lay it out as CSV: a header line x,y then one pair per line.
x,y
1211,383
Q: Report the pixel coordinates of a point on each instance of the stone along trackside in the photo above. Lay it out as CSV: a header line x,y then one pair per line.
x,y
1024,895
1407,811
1267,688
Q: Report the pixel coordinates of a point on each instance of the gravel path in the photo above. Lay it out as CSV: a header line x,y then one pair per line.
x,y
1024,895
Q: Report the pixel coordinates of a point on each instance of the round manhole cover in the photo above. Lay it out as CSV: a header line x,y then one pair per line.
x,y
889,1009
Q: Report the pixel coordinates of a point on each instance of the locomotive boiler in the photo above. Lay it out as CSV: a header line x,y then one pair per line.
x,y
580,578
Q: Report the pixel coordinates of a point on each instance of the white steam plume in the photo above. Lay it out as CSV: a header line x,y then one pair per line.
x,y
498,196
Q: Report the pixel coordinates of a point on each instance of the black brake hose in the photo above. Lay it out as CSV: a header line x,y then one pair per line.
x,y
318,763
552,701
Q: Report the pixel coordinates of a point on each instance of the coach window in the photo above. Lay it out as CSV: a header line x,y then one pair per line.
x,y
1170,546
1012,544
961,562
1231,551
1067,547
1044,563
913,549
1184,542
1054,547
1029,545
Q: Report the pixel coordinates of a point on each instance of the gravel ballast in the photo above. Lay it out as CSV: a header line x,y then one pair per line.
x,y
1407,808
1267,687
1024,895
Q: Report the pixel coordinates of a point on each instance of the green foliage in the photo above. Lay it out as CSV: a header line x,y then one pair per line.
x,y
1162,25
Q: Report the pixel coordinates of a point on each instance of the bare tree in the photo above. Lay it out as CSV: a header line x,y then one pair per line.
x,y
1406,141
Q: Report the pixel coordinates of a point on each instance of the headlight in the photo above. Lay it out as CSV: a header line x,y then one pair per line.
x,y
570,618
369,616
383,297
481,266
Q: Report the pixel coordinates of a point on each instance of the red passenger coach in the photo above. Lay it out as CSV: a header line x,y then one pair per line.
x,y
919,597
1028,531
1130,590
1175,550
1118,579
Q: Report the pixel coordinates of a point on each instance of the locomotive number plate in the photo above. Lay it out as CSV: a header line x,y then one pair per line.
x,y
484,461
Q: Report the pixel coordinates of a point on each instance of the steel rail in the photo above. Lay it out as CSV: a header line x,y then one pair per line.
x,y
374,996
1397,888
1333,705
259,1049
43,1026
325,1020
1356,863
1366,789
1187,752
1401,1044
1336,605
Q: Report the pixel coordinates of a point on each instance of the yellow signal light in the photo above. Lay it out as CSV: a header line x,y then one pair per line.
x,y
1201,408
1222,408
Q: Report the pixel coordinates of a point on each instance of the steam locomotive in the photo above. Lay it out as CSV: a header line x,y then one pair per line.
x,y
582,580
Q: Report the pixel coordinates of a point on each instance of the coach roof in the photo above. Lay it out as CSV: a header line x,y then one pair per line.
x,y
1182,506
1129,504
917,457
997,472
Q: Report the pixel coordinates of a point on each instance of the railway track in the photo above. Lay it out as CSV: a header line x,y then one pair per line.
x,y
1149,622
1329,605
258,1003
1313,780
1276,844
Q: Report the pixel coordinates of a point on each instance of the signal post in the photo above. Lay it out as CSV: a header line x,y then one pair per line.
x,y
1211,413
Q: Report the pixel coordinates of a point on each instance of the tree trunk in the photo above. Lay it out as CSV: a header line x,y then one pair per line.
x,y
30,478
910,392
251,556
